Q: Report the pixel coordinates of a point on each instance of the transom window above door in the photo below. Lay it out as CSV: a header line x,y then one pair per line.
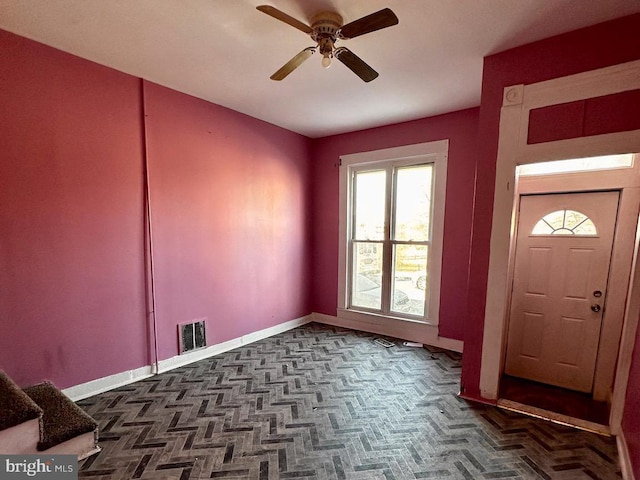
x,y
588,164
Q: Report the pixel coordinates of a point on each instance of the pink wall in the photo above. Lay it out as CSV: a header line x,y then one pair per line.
x,y
230,203
71,236
461,130
230,218
238,211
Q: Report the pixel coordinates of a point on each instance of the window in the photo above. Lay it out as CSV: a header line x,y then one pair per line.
x,y
392,209
588,164
565,222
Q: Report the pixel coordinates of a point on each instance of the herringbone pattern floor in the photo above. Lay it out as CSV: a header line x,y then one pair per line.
x,y
319,402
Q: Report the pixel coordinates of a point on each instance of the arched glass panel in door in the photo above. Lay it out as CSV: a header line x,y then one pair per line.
x,y
565,222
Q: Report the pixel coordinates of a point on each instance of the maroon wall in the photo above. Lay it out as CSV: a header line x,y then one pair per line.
x,y
230,214
583,118
595,47
461,130
631,416
71,232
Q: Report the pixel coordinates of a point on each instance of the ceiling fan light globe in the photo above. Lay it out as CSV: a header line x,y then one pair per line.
x,y
326,61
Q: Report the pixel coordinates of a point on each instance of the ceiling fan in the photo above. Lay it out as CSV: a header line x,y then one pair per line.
x,y
326,29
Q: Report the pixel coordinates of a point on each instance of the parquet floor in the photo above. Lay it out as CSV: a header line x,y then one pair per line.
x,y
320,402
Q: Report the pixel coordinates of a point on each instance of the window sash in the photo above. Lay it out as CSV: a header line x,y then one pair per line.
x,y
388,243
435,152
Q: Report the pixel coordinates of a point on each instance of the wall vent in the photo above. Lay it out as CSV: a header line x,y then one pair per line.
x,y
192,336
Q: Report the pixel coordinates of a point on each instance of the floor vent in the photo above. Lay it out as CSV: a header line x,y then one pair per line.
x,y
192,336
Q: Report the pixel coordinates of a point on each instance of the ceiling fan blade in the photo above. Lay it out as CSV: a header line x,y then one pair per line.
x,y
283,17
355,64
375,21
294,63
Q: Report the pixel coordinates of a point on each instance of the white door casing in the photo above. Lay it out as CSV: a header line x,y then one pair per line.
x,y
513,150
559,280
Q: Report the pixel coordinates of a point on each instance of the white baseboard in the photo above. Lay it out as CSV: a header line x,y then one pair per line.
x,y
94,387
411,331
625,460
185,359
100,385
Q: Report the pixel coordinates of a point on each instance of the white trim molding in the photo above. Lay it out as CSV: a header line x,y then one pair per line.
x,y
104,384
513,150
410,331
625,460
100,385
187,358
581,86
627,343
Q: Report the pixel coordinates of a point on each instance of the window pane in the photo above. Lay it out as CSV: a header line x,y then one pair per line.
x,y
577,165
542,228
572,219
366,288
410,280
564,222
585,228
413,203
369,205
555,219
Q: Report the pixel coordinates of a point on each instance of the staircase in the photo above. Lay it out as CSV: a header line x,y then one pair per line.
x,y
41,420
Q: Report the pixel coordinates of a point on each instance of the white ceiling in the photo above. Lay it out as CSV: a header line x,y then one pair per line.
x,y
225,50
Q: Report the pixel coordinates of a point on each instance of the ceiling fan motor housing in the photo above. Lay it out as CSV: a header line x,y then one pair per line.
x,y
325,26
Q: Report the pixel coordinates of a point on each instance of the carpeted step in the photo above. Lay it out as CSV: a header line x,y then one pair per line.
x,y
19,419
62,420
16,407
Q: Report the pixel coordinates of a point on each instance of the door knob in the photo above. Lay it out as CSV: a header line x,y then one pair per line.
x,y
595,307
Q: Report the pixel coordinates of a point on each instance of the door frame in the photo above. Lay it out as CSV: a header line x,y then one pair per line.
x,y
513,150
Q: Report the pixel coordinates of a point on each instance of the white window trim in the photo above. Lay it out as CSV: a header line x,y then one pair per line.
x,y
433,152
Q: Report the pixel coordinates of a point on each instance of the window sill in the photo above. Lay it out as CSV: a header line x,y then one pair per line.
x,y
377,318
